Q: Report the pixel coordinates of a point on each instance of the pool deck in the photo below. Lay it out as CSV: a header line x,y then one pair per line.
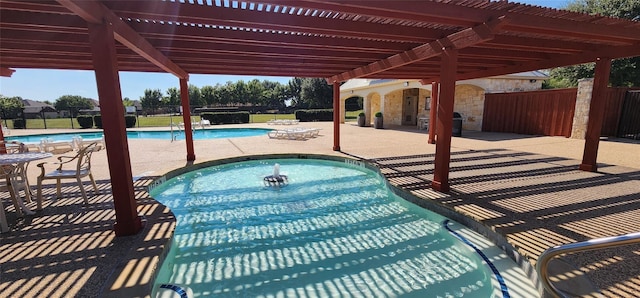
x,y
525,188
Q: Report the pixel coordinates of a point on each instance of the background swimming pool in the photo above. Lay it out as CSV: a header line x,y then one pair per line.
x,y
201,134
335,230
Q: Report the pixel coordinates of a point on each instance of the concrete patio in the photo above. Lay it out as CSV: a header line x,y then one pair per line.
x,y
525,188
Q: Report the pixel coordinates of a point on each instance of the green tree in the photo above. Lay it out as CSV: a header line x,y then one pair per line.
x,y
151,100
316,94
195,97
255,91
624,72
172,99
208,94
127,102
11,107
295,88
73,103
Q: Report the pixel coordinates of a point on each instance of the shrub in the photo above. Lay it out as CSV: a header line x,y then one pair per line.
x,y
130,121
379,114
314,115
226,117
19,124
97,119
85,121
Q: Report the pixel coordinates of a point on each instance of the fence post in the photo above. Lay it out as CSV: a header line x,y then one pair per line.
x,y
44,119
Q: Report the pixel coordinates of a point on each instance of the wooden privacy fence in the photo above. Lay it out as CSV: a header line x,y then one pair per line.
x,y
550,112
545,112
629,124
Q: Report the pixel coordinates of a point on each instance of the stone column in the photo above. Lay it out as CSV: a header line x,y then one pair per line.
x,y
581,114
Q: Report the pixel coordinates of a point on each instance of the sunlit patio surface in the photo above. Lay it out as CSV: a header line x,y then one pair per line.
x,y
525,188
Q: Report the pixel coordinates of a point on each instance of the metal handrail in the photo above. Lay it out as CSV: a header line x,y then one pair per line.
x,y
607,242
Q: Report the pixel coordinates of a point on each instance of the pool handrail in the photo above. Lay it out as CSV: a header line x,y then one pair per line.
x,y
542,265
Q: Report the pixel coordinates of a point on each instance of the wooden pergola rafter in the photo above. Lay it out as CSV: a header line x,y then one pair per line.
x,y
436,41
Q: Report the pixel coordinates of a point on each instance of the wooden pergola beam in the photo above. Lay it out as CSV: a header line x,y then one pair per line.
x,y
96,13
458,40
220,16
457,15
560,60
6,72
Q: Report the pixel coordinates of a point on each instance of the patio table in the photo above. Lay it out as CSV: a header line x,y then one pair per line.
x,y
17,160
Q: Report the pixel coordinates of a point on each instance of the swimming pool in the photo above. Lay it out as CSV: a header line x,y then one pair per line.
x,y
201,134
334,230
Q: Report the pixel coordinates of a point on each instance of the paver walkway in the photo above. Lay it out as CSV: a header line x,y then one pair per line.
x,y
526,188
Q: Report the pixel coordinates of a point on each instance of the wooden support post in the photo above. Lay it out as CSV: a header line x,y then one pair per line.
x,y
186,118
336,116
435,92
105,64
448,69
596,115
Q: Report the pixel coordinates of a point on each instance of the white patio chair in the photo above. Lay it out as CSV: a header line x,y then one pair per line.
x,y
82,169
13,178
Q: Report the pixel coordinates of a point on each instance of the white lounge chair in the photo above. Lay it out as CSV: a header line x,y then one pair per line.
x,y
286,134
78,142
55,147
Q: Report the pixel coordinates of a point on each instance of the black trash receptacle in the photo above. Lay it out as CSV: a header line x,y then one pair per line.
x,y
456,130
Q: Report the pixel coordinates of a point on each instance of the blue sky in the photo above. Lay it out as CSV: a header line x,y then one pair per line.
x,y
42,85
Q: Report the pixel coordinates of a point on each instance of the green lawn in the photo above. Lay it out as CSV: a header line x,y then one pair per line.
x,y
153,121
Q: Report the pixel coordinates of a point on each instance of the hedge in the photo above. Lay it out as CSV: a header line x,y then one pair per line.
x,y
314,115
130,121
226,117
85,121
97,119
19,124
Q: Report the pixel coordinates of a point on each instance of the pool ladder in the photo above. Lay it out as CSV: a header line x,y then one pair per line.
x,y
174,137
542,265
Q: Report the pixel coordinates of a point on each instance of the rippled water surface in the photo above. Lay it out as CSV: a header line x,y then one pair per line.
x,y
334,231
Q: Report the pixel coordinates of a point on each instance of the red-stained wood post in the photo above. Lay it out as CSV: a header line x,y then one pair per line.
x,y
435,92
336,116
596,115
105,64
186,118
448,69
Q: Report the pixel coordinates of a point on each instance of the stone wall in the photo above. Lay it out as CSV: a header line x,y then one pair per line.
x,y
469,101
511,85
393,108
581,114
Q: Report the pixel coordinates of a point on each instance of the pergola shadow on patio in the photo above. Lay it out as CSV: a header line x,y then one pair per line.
x,y
437,42
532,200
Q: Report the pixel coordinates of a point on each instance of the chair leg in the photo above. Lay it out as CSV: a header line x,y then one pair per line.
x,y
16,202
27,192
39,198
95,187
4,226
84,193
58,189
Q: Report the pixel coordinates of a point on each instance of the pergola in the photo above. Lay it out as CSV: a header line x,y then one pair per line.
x,y
437,41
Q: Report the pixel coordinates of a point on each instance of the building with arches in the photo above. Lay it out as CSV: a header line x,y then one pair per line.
x,y
407,102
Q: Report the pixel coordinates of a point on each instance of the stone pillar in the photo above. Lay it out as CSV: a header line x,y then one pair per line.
x,y
581,114
366,106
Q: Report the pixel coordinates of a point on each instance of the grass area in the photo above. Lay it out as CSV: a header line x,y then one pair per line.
x,y
153,121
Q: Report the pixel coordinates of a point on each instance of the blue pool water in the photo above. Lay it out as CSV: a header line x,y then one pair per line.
x,y
335,230
201,134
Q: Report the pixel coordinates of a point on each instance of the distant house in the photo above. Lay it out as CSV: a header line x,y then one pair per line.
x,y
407,102
37,110
94,111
